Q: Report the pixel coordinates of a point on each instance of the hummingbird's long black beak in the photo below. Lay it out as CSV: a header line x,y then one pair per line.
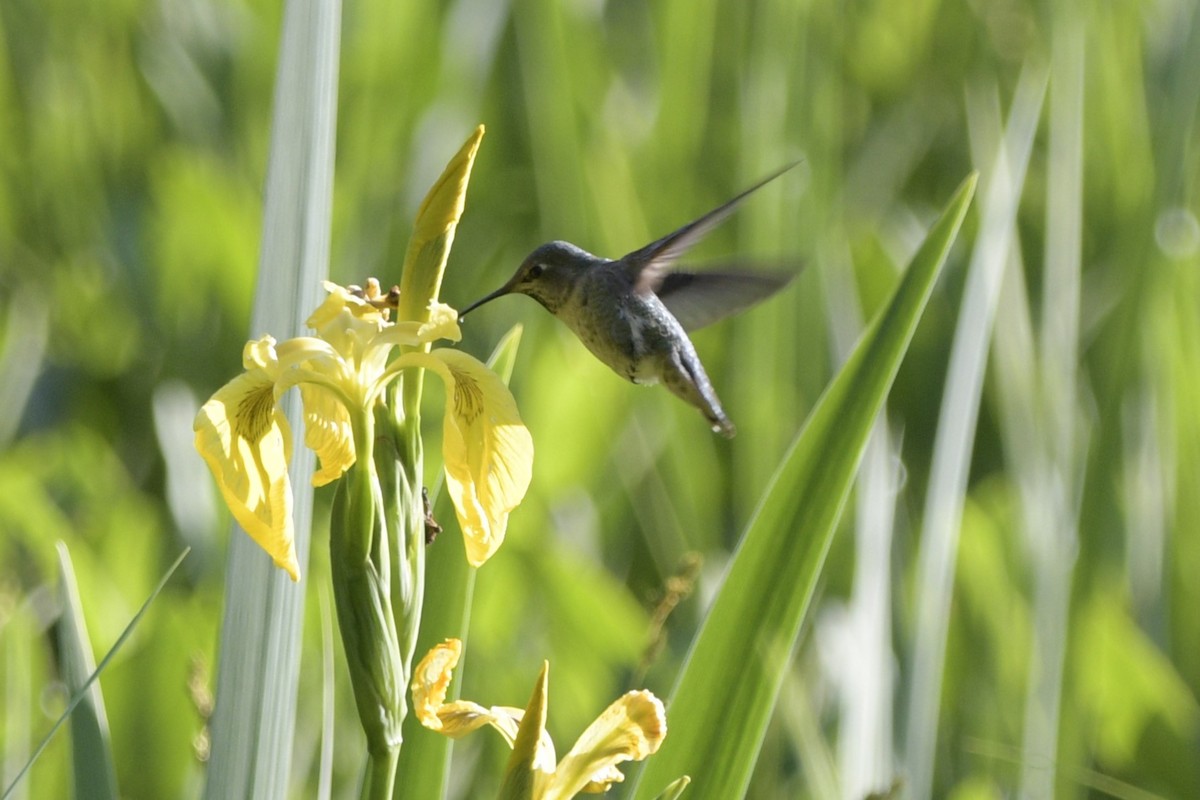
x,y
503,290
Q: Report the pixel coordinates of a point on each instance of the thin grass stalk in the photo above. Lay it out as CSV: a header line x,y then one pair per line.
x,y
1148,486
1054,547
865,676
328,685
257,674
803,724
956,429
16,652
94,770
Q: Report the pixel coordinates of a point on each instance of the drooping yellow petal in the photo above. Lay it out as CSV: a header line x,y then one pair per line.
x,y
433,233
487,450
246,441
431,679
630,729
328,432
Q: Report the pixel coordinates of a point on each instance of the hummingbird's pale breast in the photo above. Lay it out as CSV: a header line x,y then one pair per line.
x,y
628,331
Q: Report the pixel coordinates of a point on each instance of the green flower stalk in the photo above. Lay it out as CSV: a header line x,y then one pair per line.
x,y
362,417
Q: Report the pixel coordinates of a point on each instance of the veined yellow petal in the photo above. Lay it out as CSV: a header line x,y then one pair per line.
x,y
328,432
246,441
487,450
630,729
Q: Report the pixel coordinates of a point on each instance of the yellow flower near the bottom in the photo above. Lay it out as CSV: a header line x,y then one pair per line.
x,y
630,729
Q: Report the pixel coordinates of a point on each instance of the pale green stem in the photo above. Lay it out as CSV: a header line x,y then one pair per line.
x,y
360,558
381,774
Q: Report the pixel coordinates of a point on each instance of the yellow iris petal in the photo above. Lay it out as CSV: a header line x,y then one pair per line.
x,y
442,324
431,679
630,729
246,441
487,450
327,432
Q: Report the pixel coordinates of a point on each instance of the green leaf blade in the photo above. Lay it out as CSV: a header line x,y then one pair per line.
x,y
92,757
723,701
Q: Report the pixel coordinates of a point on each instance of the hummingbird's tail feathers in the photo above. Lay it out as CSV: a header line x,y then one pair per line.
x,y
684,376
698,299
649,265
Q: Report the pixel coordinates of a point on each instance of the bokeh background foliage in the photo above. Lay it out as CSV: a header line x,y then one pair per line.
x,y
133,151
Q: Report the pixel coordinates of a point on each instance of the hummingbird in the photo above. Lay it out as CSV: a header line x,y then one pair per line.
x,y
634,313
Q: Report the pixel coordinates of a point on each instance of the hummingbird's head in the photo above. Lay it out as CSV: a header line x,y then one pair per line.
x,y
548,275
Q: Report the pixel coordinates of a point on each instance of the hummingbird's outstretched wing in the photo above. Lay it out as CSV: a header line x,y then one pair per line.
x,y
697,299
648,267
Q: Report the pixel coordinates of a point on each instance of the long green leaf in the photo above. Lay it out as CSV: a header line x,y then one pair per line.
x,y
723,701
91,753
254,718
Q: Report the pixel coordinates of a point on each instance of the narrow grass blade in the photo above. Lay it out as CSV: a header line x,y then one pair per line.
x,y
721,706
956,427
254,717
1051,512
328,685
91,746
18,631
449,587
82,691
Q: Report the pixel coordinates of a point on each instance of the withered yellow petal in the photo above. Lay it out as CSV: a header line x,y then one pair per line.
x,y
431,680
487,450
246,441
630,729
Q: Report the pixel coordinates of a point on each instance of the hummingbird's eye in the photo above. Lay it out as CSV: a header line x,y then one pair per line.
x,y
535,271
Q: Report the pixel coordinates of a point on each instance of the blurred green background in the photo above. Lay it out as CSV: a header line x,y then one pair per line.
x,y
133,147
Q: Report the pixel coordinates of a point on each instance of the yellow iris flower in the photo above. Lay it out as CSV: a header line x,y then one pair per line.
x,y
630,729
342,372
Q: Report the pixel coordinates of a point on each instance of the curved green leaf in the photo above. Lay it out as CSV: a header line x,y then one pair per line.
x,y
725,695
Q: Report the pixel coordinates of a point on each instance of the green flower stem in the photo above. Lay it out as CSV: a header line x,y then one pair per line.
x,y
408,593
381,775
360,557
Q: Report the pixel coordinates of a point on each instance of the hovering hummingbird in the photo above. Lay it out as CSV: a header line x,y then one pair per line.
x,y
634,313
